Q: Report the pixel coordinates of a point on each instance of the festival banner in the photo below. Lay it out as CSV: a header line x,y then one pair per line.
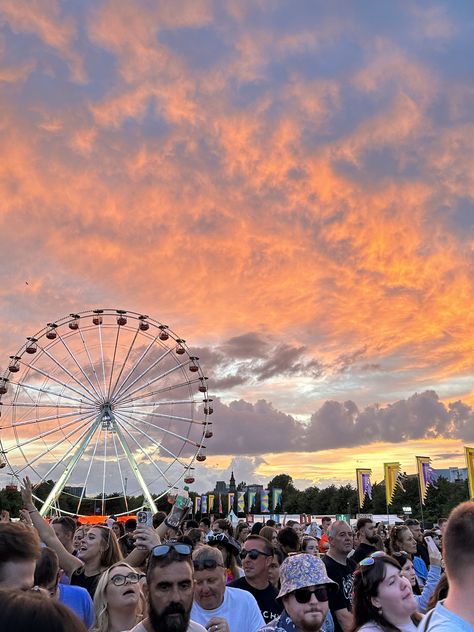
x,y
426,475
264,501
364,486
240,501
392,479
251,500
211,502
197,504
220,504
230,499
204,504
470,469
276,497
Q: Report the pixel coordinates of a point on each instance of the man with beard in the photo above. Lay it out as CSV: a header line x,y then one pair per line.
x,y
367,540
169,590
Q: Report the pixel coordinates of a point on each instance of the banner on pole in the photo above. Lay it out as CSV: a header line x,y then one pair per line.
x,y
240,501
364,486
211,502
276,497
230,499
251,500
426,476
470,470
392,479
197,504
264,501
204,504
220,504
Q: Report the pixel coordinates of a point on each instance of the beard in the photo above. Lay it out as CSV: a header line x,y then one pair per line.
x,y
173,618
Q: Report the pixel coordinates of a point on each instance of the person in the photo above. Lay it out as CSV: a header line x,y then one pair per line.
x,y
442,522
216,604
304,592
77,599
422,598
289,541
24,611
456,612
79,535
205,526
118,600
274,568
309,545
340,569
242,530
257,555
383,598
324,540
169,590
222,526
65,528
230,549
421,549
367,539
19,550
197,537
402,539
127,541
270,534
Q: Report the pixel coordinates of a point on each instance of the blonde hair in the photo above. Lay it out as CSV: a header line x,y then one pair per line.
x,y
101,606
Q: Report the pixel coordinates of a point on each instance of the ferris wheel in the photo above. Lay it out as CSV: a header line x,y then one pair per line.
x,y
108,404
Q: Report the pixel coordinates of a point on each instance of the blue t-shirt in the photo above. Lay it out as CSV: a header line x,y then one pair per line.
x,y
79,601
440,619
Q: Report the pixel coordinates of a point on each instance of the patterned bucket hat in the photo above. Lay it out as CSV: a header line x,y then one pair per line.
x,y
302,570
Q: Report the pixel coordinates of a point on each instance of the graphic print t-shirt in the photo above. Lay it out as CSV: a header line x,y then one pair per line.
x,y
266,598
342,574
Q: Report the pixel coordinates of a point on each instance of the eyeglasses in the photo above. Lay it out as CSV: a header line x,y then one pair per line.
x,y
163,549
201,565
131,578
369,561
303,595
253,554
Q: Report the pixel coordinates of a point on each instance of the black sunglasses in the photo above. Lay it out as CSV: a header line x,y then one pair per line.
x,y
163,549
201,565
253,554
303,595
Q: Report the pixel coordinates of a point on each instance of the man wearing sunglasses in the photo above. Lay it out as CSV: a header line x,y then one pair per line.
x,y
305,590
257,556
217,607
169,590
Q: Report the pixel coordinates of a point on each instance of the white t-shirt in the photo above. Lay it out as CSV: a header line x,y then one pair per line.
x,y
239,609
371,626
192,627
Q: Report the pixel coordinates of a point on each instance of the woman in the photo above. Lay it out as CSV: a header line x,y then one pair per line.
x,y
383,599
434,574
119,529
118,599
241,532
401,539
270,534
79,535
230,549
310,545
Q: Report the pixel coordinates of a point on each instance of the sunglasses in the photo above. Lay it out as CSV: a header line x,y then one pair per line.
x,y
163,549
131,578
218,537
303,595
201,565
253,554
369,561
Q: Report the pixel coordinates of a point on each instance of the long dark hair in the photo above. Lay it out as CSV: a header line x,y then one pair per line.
x,y
366,586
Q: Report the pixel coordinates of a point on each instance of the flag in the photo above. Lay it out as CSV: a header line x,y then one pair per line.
x,y
392,479
211,502
364,486
251,500
276,497
204,504
230,497
240,501
264,501
220,503
470,470
197,504
426,475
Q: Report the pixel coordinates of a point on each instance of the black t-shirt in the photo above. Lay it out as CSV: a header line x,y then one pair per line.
x,y
89,582
342,575
422,551
362,551
266,598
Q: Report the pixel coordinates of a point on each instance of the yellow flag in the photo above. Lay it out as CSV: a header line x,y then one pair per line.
x,y
470,470
391,475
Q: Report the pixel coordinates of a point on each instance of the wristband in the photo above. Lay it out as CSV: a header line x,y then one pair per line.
x,y
30,511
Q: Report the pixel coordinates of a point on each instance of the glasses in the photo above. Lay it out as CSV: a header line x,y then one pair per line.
x,y
131,578
369,561
303,595
163,549
218,537
201,565
253,554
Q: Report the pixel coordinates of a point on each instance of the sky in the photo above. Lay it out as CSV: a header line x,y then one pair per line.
x,y
289,185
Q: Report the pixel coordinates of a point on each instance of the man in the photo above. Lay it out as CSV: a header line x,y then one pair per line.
x,y
456,612
169,590
421,561
205,526
340,569
324,541
304,591
19,550
442,525
366,538
214,603
257,555
65,528
289,541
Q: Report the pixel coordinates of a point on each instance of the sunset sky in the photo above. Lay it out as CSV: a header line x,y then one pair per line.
x,y
288,184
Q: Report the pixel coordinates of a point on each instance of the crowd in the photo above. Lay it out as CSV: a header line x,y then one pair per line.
x,y
59,576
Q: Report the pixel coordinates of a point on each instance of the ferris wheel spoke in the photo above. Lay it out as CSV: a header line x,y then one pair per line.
x,y
165,389
74,359
60,382
102,357
89,357
124,363
163,402
165,430
155,379
104,471
122,391
189,420
120,472
68,372
113,362
49,418
48,392
123,425
28,405
134,366
88,473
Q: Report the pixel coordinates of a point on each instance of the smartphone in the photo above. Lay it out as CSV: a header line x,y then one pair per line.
x,y
145,518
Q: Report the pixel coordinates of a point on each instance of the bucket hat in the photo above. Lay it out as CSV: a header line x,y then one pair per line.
x,y
302,570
